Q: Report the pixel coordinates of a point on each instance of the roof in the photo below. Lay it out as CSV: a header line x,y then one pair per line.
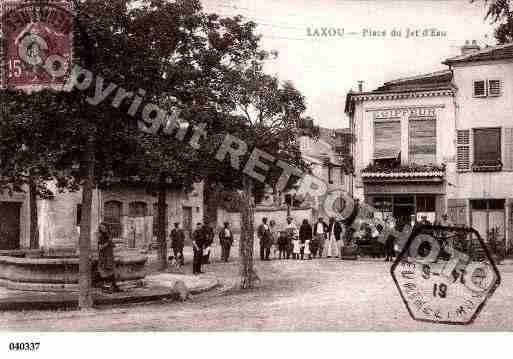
x,y
433,81
439,80
489,53
328,135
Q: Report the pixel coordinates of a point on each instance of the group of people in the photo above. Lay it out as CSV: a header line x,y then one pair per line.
x,y
202,241
305,242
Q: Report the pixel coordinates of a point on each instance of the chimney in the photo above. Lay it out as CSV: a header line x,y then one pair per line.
x,y
469,48
360,86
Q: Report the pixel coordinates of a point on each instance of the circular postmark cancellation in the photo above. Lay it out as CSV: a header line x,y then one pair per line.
x,y
445,274
34,33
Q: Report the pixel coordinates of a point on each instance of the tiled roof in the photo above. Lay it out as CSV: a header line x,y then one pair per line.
x,y
488,53
439,80
438,83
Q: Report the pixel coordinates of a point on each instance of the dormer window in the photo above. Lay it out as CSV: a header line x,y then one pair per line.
x,y
480,88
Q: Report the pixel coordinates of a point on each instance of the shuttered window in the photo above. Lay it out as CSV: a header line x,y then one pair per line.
x,y
480,88
508,149
457,211
387,139
494,87
487,146
463,150
422,146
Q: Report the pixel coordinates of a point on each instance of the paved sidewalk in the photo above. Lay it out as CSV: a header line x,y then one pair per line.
x,y
156,287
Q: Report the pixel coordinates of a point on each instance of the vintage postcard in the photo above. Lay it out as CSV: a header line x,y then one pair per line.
x,y
262,166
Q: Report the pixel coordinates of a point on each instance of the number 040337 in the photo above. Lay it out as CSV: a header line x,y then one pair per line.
x,y
27,347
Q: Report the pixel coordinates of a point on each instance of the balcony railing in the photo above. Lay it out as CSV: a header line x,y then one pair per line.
x,y
403,171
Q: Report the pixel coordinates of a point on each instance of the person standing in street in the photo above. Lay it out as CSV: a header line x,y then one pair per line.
x,y
208,233
274,238
106,264
177,243
334,230
226,241
198,241
320,232
264,233
291,233
390,241
305,236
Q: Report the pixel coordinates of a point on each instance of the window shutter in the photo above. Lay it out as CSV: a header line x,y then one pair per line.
x,y
494,87
480,88
456,210
463,150
508,149
422,140
387,139
487,146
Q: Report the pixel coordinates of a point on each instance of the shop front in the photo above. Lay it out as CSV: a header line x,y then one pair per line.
x,y
405,198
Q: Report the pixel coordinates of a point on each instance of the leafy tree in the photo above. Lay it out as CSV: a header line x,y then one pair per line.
x,y
209,67
264,115
500,12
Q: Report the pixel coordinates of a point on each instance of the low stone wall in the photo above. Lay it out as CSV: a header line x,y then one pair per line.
x,y
57,274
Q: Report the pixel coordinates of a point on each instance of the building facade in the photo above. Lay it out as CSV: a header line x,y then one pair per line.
x,y
131,214
441,143
329,157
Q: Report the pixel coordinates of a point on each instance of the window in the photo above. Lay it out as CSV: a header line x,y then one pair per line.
x,y
387,139
330,175
112,217
79,215
494,87
137,209
480,88
422,146
487,149
484,88
463,150
488,218
426,203
156,219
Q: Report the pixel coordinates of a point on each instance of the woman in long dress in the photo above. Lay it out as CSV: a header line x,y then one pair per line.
x,y
305,236
106,265
274,237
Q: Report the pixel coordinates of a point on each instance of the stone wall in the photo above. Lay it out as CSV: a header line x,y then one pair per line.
x,y
278,215
58,226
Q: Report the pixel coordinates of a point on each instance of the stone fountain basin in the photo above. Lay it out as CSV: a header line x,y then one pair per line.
x,y
28,271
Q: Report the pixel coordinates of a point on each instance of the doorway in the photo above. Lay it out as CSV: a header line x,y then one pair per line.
x,y
10,225
404,208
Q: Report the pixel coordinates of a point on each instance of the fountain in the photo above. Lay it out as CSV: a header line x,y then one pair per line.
x,y
56,270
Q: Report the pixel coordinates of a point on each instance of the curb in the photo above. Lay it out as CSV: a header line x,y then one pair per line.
x,y
47,304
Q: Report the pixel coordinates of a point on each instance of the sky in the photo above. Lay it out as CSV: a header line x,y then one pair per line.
x,y
325,68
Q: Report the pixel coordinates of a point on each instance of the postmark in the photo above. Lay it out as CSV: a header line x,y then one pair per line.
x,y
445,275
34,33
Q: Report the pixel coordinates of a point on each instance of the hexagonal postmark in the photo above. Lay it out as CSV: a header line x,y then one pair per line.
x,y
445,274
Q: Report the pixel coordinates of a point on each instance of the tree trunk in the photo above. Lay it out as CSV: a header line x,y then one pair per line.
x,y
246,208
161,230
85,299
211,204
34,231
